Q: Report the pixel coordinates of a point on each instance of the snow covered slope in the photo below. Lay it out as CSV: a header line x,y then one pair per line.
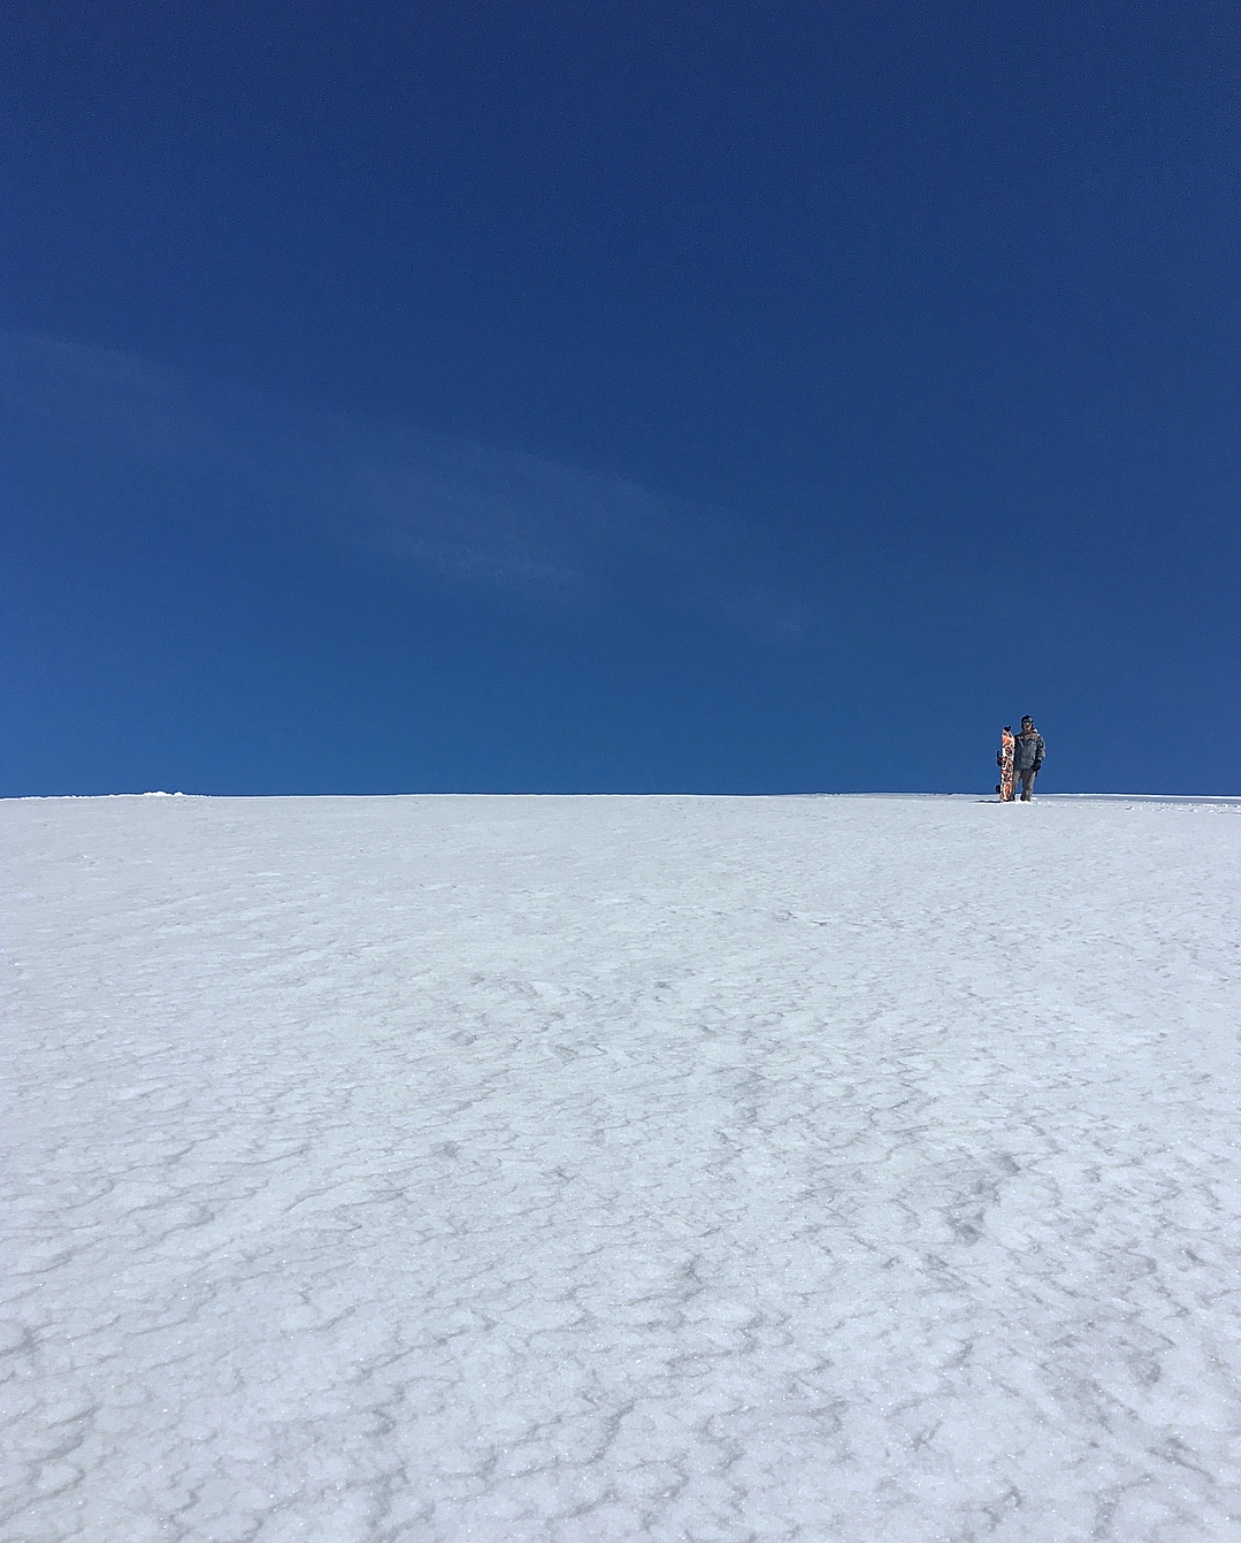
x,y
617,1168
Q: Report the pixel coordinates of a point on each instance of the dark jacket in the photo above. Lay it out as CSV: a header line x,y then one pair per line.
x,y
1029,750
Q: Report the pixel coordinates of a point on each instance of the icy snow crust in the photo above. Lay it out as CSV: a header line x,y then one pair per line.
x,y
615,1168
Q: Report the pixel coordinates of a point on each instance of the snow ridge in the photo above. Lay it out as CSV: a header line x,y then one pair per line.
x,y
593,1169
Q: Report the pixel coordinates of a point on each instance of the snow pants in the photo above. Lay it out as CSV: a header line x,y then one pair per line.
x,y
1027,775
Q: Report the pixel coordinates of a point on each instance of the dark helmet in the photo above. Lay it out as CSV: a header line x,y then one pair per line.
x,y
1027,719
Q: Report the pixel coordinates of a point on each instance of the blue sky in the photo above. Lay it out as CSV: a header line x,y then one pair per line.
x,y
590,397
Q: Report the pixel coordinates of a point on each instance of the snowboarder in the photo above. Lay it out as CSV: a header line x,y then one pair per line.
x,y
1028,756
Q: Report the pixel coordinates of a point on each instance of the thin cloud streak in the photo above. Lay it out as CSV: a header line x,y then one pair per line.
x,y
467,513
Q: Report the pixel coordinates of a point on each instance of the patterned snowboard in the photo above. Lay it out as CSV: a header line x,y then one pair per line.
x,y
1004,760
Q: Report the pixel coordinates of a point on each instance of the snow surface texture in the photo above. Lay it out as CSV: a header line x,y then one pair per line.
x,y
615,1168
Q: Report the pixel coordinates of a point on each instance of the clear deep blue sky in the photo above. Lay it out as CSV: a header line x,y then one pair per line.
x,y
618,396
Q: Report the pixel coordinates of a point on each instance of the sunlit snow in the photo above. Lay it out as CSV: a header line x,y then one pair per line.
x,y
590,1170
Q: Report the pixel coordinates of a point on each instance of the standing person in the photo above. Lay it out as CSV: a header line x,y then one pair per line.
x,y
1028,756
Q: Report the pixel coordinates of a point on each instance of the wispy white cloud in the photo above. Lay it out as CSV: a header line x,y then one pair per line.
x,y
467,512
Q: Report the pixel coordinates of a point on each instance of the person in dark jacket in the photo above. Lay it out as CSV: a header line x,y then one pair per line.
x,y
1028,753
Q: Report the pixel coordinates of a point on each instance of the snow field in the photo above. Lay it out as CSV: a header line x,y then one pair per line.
x,y
600,1169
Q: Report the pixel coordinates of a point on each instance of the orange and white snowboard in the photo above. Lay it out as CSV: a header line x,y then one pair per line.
x,y
1004,760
